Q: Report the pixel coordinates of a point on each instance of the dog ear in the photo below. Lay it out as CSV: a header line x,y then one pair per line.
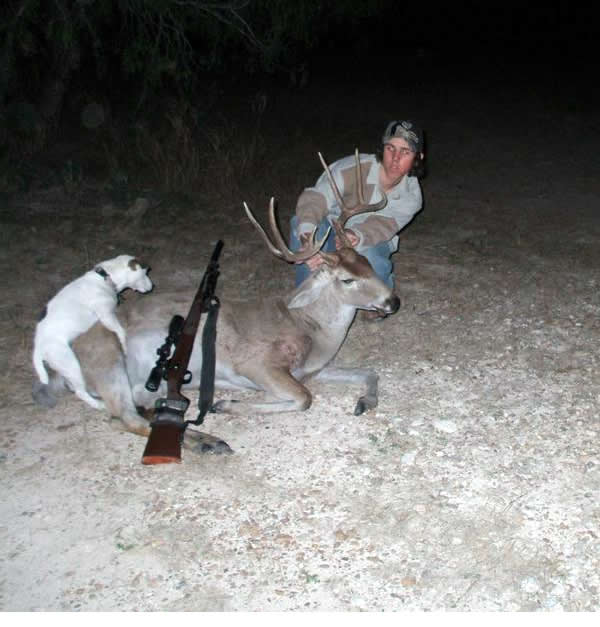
x,y
134,264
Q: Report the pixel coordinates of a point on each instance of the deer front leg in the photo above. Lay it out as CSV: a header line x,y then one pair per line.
x,y
332,374
288,394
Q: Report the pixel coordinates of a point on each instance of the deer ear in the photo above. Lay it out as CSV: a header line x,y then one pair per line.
x,y
306,293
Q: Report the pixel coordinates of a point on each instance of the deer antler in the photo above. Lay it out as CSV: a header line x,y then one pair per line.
x,y
347,212
281,250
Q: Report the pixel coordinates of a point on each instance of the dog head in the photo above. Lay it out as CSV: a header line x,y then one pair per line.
x,y
126,271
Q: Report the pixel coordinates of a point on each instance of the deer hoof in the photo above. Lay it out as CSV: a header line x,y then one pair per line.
x,y
222,407
364,404
203,443
220,447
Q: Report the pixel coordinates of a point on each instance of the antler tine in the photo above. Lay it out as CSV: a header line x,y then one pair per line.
x,y
283,252
259,228
359,183
334,187
341,235
288,255
276,233
361,206
338,225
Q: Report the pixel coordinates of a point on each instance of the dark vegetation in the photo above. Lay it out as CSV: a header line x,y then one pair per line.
x,y
184,94
156,91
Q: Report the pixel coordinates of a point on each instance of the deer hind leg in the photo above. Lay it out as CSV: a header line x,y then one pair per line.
x,y
105,372
104,367
362,376
287,393
201,443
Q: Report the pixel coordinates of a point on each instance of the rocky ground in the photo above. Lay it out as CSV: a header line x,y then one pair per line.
x,y
475,483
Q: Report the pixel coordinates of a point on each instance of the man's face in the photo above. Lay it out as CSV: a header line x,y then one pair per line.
x,y
398,158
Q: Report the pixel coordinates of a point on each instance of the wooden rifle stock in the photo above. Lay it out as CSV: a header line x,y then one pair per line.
x,y
168,427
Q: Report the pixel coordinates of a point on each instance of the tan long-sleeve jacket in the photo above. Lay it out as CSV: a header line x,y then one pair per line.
x,y
404,201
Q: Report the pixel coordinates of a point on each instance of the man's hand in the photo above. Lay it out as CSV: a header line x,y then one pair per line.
x,y
352,238
312,262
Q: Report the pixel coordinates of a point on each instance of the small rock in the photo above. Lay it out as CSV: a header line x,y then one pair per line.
x,y
408,458
530,585
284,539
447,426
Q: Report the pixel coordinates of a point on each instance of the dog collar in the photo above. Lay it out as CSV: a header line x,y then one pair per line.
x,y
104,274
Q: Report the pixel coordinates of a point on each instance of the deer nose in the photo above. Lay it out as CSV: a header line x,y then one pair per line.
x,y
392,304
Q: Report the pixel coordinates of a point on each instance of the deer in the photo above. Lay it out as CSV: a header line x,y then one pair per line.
x,y
273,346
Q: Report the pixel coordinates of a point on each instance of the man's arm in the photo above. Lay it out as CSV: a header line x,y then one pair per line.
x,y
315,203
382,226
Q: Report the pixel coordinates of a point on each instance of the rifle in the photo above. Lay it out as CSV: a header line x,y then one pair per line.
x,y
168,427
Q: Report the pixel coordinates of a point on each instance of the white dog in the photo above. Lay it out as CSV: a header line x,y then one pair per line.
x,y
76,308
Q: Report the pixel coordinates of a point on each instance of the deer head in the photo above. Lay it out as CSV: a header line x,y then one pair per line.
x,y
350,277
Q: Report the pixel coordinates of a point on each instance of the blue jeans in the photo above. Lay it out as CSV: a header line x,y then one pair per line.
x,y
379,256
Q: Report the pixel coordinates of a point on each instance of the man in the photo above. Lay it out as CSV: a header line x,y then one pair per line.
x,y
393,170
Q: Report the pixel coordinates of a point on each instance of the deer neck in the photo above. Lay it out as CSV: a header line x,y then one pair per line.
x,y
327,313
327,323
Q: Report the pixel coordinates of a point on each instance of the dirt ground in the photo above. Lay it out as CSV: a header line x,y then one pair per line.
x,y
473,486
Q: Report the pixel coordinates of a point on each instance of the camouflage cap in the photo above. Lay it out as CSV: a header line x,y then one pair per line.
x,y
406,130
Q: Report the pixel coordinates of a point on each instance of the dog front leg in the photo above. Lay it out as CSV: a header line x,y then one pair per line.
x,y
112,324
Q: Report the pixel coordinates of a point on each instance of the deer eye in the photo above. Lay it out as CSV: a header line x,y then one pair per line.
x,y
348,281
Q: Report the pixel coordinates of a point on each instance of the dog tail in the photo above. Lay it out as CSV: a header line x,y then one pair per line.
x,y
38,364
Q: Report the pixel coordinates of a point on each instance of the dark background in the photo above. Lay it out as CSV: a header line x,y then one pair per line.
x,y
114,90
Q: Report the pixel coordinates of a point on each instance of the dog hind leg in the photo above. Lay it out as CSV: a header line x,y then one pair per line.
x,y
64,361
42,395
38,364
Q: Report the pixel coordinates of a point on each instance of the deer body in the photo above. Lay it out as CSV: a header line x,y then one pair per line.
x,y
271,345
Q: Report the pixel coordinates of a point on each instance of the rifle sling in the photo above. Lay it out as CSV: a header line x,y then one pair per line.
x,y
207,375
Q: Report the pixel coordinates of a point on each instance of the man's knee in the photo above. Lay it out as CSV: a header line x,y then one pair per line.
x,y
382,264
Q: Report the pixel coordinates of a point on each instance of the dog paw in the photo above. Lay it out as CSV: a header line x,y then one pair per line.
x,y
42,395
